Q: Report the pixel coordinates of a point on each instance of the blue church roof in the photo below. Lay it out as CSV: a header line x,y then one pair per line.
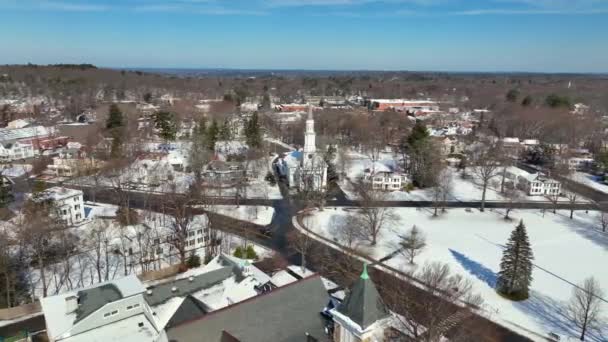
x,y
296,154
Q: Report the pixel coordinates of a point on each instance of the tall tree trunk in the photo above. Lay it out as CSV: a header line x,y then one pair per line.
x,y
107,260
42,273
8,289
483,196
502,182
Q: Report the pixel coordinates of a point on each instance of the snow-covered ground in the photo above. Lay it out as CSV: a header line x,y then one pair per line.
x,y
257,214
81,270
590,180
280,143
468,189
158,176
566,252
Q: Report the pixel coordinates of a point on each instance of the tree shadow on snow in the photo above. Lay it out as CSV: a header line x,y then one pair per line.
x,y
476,269
587,230
552,314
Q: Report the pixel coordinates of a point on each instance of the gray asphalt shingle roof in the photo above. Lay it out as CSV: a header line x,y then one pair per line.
x,y
91,300
163,292
363,305
283,315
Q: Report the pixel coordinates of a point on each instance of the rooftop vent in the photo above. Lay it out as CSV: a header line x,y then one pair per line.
x,y
191,279
71,304
174,289
149,292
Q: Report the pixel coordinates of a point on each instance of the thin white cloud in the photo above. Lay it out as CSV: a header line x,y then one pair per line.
x,y
63,6
329,3
203,7
478,12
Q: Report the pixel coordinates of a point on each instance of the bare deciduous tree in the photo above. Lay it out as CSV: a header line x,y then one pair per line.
x,y
441,190
301,243
37,233
372,214
512,196
572,196
346,230
179,206
602,220
440,311
98,241
412,244
485,161
585,306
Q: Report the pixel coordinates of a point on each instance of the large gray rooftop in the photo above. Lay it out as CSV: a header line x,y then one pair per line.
x,y
159,294
283,315
92,299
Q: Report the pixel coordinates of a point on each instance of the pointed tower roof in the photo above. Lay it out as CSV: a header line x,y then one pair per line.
x,y
363,304
310,117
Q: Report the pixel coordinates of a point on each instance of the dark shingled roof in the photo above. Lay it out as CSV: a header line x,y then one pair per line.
x,y
92,299
190,309
363,304
282,315
163,292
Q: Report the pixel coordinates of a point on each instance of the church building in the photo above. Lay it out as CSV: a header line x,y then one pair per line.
x,y
362,316
305,169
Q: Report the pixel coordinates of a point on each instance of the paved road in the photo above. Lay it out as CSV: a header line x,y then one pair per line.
x,y
153,201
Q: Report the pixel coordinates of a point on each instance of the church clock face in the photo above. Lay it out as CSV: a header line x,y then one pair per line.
x,y
310,156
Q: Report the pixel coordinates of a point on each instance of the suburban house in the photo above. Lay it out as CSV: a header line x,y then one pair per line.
x,y
72,161
114,310
223,173
68,203
534,184
16,151
229,148
162,249
27,142
580,163
384,177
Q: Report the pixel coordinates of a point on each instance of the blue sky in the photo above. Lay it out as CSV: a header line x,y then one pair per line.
x,y
445,35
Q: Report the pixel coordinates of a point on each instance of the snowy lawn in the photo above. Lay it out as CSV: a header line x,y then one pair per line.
x,y
258,214
468,189
566,252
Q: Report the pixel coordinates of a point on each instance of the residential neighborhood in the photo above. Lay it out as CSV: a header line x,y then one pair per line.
x,y
308,183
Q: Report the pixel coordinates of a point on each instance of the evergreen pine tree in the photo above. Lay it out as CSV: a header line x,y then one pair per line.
x,y
224,133
253,132
116,148
419,133
515,274
114,117
6,195
266,101
165,123
212,135
200,133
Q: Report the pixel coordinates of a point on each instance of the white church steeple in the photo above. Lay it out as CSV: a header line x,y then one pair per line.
x,y
309,137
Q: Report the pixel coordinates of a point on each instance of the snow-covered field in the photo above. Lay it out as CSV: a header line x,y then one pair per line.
x,y
589,180
566,252
468,189
257,214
